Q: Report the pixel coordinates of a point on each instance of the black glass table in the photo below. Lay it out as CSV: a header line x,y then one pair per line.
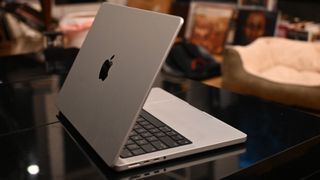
x,y
282,142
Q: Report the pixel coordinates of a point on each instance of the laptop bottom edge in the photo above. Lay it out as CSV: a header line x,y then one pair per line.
x,y
92,154
121,166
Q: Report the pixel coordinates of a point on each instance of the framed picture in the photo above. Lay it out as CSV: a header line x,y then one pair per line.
x,y
208,25
315,37
162,6
252,24
262,4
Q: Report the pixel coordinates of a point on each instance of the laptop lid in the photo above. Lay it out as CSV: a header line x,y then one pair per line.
x,y
113,73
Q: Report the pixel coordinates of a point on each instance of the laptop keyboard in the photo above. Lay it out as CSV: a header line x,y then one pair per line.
x,y
150,135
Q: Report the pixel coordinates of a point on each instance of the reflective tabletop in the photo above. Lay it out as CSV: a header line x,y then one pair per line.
x,y
282,142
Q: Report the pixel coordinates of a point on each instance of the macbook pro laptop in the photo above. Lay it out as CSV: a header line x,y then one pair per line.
x,y
107,95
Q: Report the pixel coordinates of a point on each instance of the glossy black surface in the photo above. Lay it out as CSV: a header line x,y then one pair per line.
x,y
282,142
48,147
27,104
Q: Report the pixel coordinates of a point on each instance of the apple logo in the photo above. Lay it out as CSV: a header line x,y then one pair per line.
x,y
105,68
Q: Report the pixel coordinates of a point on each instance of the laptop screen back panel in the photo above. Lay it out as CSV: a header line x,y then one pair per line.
x,y
138,42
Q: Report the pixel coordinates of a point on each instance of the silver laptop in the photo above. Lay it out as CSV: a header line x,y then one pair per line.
x,y
105,94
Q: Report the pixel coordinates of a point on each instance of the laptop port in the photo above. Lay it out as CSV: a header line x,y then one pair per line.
x,y
135,177
134,165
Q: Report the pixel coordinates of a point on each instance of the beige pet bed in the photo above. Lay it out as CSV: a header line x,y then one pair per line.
x,y
277,69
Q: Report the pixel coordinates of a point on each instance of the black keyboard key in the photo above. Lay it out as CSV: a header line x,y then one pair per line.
x,y
165,129
184,141
159,134
146,134
154,130
136,138
140,118
140,130
137,126
133,147
126,153
171,133
129,142
148,148
177,137
168,141
156,122
144,123
149,126
137,151
132,133
152,138
159,145
142,142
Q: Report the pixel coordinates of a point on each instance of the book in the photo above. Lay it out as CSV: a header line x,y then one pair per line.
x,y
208,25
300,35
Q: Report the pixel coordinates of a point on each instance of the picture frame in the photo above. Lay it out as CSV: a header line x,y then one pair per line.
x,y
163,6
269,5
208,25
252,24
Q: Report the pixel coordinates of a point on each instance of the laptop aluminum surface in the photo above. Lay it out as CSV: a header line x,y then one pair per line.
x,y
111,77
